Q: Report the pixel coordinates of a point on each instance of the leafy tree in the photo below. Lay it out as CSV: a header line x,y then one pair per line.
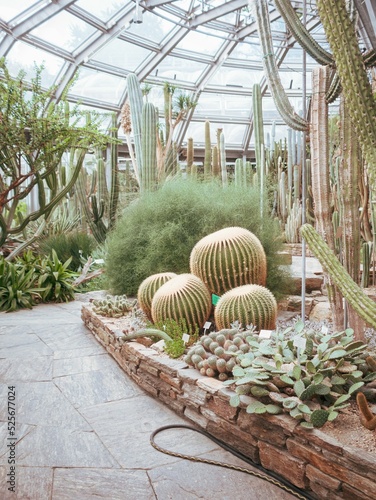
x,y
35,133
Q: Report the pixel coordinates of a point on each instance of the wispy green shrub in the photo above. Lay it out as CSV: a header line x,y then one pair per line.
x,y
158,231
76,245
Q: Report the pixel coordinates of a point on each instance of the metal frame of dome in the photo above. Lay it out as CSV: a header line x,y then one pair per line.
x,y
209,17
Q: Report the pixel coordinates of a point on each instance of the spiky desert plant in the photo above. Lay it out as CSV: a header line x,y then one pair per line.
x,y
249,305
208,153
355,296
190,154
149,148
183,297
341,34
367,418
148,288
228,258
222,153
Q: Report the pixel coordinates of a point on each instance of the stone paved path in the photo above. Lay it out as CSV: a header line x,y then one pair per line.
x,y
83,427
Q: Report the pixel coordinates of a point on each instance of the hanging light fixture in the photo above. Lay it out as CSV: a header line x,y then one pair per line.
x,y
137,18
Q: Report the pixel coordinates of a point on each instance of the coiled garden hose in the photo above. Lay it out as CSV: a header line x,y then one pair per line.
x,y
267,475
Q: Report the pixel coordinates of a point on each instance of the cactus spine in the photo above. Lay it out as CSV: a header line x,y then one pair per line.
x,y
228,258
148,288
361,303
249,305
182,297
367,418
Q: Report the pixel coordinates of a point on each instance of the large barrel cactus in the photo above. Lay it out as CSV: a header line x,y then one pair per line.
x,y
229,258
249,305
183,297
148,288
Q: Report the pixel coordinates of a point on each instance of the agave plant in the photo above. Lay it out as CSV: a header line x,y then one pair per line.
x,y
55,279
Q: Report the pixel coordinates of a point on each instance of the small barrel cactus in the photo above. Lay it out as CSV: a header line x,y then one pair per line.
x,y
148,288
249,305
229,258
183,297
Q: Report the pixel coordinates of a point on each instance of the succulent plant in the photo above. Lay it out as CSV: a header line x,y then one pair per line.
x,y
147,289
307,374
113,306
367,418
228,258
249,305
215,354
183,297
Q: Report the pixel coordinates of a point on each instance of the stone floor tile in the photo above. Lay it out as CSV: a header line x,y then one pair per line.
x,y
26,369
32,483
82,364
87,484
129,442
95,387
21,431
77,353
58,447
42,403
192,480
23,345
68,337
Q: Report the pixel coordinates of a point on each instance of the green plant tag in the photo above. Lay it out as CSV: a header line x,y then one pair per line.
x,y
215,299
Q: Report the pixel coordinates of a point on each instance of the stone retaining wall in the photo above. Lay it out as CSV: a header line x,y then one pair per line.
x,y
310,460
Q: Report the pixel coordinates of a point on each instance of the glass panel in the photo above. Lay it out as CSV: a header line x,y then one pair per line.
x,y
100,86
64,30
152,27
102,10
9,10
23,56
234,134
247,51
236,77
180,69
198,42
122,54
223,104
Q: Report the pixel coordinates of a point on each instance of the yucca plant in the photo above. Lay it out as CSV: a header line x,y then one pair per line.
x,y
56,279
17,287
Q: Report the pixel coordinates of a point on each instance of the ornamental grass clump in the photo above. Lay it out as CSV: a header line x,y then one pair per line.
x,y
157,232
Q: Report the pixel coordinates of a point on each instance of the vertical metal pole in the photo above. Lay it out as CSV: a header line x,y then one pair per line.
x,y
304,194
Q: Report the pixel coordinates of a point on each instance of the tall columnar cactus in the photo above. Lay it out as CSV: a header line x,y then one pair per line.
x,y
284,107
215,164
207,159
258,123
341,34
361,303
228,258
190,154
249,305
148,289
223,159
149,148
183,297
135,104
239,173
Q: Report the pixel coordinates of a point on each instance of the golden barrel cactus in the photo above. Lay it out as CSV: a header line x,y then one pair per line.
x,y
183,297
249,305
229,258
147,289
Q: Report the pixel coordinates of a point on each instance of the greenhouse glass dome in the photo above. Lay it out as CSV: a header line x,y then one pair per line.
x,y
208,48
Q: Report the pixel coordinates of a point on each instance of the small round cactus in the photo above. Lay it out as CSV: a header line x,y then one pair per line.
x,y
229,258
249,305
183,297
148,288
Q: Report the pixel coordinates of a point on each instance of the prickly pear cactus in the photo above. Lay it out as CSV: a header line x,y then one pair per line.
x,y
249,305
183,297
229,258
148,288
